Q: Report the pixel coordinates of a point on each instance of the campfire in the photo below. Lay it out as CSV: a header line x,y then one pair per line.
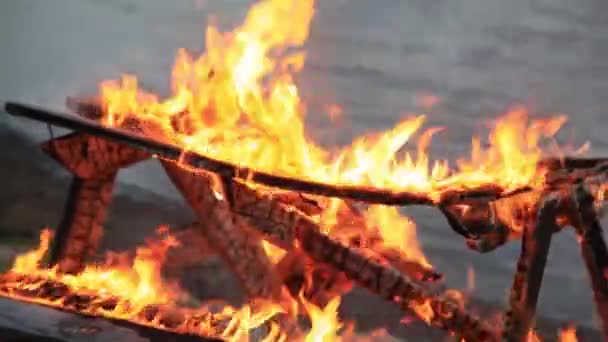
x,y
297,223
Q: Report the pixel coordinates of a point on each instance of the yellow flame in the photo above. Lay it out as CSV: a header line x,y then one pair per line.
x,y
238,102
568,334
325,323
29,262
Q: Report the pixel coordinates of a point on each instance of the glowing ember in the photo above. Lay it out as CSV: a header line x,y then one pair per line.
x,y
568,334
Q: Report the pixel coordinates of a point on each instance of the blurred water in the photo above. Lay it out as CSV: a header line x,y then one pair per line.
x,y
375,59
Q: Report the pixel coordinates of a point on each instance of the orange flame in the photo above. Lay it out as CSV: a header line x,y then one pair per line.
x,y
136,285
568,334
29,262
325,324
238,102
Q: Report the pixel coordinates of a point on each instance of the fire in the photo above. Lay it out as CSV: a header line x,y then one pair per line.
x,y
325,324
238,102
137,287
139,280
397,231
423,310
568,334
30,262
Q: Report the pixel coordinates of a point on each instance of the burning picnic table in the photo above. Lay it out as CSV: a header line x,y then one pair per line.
x,y
296,223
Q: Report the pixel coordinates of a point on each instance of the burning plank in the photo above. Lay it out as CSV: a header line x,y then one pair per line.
x,y
21,321
293,225
593,248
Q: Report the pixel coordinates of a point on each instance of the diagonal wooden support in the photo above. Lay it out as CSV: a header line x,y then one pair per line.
x,y
530,269
593,249
269,215
94,163
243,252
81,228
288,227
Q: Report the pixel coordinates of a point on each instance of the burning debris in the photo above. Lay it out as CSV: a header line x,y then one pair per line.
x,y
299,225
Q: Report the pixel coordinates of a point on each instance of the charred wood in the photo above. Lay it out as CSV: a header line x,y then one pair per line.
x,y
81,228
593,249
390,284
242,251
530,269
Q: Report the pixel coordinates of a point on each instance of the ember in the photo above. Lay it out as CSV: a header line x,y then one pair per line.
x,y
297,223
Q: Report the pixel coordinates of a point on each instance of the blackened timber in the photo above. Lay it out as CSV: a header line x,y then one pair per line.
x,y
530,269
593,249
81,228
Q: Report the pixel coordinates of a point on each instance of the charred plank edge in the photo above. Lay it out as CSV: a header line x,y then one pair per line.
x,y
530,270
593,250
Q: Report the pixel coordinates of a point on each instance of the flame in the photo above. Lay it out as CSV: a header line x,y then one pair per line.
x,y
568,334
397,231
533,337
238,102
29,262
423,310
139,280
136,289
275,254
325,323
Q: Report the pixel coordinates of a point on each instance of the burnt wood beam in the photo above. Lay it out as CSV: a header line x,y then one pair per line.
x,y
593,249
81,228
94,162
243,252
530,269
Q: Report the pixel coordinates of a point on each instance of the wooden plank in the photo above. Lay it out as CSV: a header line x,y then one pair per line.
x,y
81,229
33,322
